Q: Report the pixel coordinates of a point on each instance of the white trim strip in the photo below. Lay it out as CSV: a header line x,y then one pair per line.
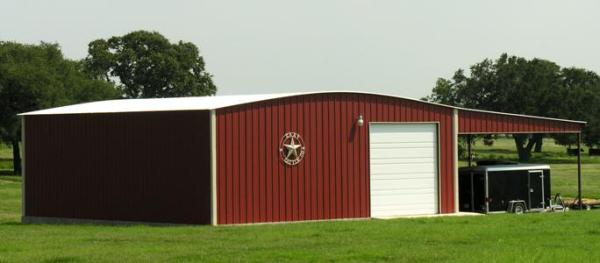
x,y
521,132
455,156
508,167
518,115
213,167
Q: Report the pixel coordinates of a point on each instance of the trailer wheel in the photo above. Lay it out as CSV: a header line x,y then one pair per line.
x,y
519,208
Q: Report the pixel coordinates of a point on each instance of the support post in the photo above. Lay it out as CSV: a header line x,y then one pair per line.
x,y
579,170
469,154
455,159
213,167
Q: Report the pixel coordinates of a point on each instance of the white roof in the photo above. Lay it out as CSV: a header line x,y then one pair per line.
x,y
211,103
180,103
159,104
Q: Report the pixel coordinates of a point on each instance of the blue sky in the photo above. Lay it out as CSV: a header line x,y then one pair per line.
x,y
270,46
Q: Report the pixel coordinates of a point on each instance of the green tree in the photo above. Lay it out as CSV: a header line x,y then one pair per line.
x,y
581,97
517,85
444,92
146,65
34,77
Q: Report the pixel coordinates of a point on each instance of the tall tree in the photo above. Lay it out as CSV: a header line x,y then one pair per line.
x,y
38,76
146,65
580,96
517,85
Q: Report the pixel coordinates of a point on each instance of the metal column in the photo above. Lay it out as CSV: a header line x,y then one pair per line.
x,y
579,169
469,155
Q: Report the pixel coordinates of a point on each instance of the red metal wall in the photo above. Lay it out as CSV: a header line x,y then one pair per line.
x,y
471,122
333,179
144,166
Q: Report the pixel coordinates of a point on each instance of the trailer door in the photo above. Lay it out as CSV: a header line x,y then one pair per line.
x,y
536,189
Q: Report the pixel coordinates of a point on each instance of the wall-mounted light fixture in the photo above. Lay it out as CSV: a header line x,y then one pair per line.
x,y
360,122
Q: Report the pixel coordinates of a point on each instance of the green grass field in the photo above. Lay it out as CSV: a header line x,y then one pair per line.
x,y
5,159
550,237
572,236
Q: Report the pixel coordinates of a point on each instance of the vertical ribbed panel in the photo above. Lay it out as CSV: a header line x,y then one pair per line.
x,y
472,122
145,166
332,181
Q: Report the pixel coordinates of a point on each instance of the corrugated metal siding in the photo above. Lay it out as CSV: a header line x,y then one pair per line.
x,y
150,166
472,122
333,179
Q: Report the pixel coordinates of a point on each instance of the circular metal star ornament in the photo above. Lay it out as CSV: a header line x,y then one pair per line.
x,y
291,148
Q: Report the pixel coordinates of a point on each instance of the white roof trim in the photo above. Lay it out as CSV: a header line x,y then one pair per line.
x,y
507,167
519,115
217,102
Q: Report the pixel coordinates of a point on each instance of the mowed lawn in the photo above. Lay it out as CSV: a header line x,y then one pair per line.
x,y
573,236
551,237
5,159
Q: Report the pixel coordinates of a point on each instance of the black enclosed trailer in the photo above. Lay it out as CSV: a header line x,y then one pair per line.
x,y
491,188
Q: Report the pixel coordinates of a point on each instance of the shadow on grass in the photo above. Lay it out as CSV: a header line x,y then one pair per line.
x,y
494,151
553,161
10,178
62,259
12,223
6,172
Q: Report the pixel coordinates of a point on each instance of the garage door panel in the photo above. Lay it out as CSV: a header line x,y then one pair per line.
x,y
406,153
422,204
425,202
402,184
392,208
385,129
397,191
407,209
389,133
400,191
402,160
391,175
403,169
395,144
405,139
406,180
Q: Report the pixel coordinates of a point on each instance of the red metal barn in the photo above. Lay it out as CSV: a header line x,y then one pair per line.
x,y
253,158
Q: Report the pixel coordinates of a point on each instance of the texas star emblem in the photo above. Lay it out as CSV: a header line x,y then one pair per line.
x,y
291,148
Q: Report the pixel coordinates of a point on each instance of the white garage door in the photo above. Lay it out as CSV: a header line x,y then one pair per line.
x,y
404,173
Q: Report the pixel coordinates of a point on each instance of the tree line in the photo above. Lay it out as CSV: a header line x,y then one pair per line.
x,y
527,86
144,64
140,64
